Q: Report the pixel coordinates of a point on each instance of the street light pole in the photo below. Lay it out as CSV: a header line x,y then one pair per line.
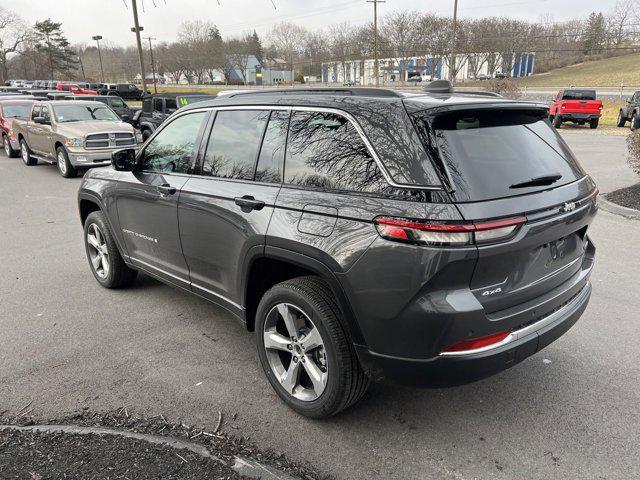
x,y
137,29
97,38
376,70
153,65
452,62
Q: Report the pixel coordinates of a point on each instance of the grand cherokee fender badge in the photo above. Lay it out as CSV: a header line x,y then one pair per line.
x,y
140,235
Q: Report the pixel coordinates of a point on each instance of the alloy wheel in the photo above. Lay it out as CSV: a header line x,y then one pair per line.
x,y
295,352
62,163
7,147
25,153
98,251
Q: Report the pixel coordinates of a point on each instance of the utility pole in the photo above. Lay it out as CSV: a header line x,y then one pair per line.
x,y
137,29
452,62
97,38
84,77
153,66
376,69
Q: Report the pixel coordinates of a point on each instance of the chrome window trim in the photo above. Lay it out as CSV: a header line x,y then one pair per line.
x,y
383,169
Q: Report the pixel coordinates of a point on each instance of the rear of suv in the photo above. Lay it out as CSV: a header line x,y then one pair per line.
x,y
362,234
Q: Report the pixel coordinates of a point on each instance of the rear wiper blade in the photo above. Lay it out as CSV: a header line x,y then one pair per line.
x,y
538,181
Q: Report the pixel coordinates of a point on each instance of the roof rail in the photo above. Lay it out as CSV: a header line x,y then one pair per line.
x,y
355,91
479,93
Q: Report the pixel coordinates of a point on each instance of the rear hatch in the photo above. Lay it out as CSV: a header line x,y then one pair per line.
x,y
509,164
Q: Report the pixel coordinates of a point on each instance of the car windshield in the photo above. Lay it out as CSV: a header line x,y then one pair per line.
x,y
82,113
16,110
579,95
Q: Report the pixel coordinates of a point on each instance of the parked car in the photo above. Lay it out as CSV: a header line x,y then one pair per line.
x,y
630,112
73,134
330,223
75,88
39,93
124,111
52,85
500,75
127,91
575,105
96,86
483,77
158,107
10,109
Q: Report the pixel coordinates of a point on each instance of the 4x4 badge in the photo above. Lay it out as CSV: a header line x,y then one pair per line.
x,y
568,207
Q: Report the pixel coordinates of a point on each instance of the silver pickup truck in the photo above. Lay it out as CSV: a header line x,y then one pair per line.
x,y
72,134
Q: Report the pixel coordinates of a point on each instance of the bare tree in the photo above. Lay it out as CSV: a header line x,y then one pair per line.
x,y
620,18
401,31
287,40
13,34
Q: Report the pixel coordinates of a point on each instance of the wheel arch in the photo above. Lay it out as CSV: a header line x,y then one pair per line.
x,y
263,270
89,203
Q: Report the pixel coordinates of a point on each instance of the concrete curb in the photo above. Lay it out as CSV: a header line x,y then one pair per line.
x,y
244,466
630,213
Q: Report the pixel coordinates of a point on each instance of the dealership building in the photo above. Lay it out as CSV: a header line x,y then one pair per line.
x,y
428,67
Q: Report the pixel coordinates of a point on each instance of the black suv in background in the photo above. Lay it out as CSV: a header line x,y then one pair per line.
x,y
127,91
124,111
433,239
158,107
630,112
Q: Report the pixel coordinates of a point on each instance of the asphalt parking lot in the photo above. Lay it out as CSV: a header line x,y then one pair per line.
x,y
570,411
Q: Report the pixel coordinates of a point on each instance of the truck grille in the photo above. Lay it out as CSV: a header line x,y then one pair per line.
x,y
110,140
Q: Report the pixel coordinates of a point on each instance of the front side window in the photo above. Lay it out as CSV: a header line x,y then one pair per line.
x,y
173,148
170,105
117,103
83,113
36,112
157,104
234,142
46,114
325,151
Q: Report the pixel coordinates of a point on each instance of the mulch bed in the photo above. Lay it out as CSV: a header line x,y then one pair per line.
x,y
627,197
35,456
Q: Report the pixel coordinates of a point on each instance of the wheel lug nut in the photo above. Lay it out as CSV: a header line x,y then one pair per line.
x,y
295,359
289,347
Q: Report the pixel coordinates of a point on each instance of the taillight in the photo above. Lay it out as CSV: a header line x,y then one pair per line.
x,y
479,342
446,234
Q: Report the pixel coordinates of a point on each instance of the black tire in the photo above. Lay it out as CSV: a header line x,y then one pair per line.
x,y
119,274
557,121
593,123
635,122
621,120
25,152
8,149
146,133
64,165
346,381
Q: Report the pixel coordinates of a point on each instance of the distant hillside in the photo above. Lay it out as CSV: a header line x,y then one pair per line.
x,y
599,73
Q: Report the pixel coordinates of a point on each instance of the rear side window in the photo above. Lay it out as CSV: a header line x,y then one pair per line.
x,y
157,104
234,142
489,154
115,102
170,104
271,157
325,151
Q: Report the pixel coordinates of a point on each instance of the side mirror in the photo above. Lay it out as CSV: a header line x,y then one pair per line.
x,y
40,120
124,160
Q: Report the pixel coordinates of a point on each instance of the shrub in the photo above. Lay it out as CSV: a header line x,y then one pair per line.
x,y
507,87
633,145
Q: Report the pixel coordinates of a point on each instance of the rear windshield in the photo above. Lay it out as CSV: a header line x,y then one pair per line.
x,y
579,95
16,110
490,154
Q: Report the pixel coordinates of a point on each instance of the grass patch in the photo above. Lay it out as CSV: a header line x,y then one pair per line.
x,y
183,88
609,72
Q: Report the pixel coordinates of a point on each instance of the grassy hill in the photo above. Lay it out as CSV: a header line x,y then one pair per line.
x,y
599,73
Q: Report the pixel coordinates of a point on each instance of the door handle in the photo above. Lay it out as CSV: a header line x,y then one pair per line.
x,y
248,203
166,189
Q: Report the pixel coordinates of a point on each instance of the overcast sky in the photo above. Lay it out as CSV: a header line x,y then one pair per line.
x,y
112,19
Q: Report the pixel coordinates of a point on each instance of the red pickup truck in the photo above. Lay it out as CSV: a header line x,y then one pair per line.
x,y
575,105
11,109
75,89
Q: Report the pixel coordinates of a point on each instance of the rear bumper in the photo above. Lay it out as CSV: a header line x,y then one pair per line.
x,y
579,117
448,370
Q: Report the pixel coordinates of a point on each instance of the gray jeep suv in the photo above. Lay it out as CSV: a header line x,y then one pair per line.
x,y
432,239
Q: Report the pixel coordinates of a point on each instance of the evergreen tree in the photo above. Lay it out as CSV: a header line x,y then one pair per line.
x,y
255,46
55,47
595,33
